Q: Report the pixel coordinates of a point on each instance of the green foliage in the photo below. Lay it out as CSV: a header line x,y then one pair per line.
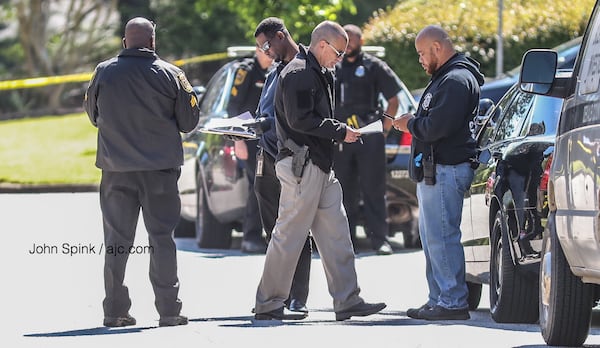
x,y
300,16
49,150
473,25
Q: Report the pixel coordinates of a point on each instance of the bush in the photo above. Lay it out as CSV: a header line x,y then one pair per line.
x,y
473,26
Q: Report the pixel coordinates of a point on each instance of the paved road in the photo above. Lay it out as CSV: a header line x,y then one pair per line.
x,y
52,298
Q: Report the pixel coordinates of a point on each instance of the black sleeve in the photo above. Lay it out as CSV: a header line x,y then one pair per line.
x,y
186,104
240,90
90,98
386,80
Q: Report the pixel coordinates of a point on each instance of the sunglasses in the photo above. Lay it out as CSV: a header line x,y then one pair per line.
x,y
338,54
266,46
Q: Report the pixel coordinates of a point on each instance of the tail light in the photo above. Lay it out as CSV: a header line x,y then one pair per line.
x,y
546,174
405,139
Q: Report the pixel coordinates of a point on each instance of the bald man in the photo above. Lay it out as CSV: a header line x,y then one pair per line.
x,y
311,196
140,104
443,153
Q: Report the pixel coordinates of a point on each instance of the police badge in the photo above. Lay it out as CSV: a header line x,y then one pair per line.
x,y
185,84
360,71
427,101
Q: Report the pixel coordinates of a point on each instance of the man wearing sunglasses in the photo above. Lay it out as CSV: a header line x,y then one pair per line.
x,y
311,197
273,38
360,167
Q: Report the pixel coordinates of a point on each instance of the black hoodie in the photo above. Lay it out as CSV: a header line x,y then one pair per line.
x,y
446,108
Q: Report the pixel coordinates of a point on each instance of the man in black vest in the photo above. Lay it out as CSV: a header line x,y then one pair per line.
x,y
360,166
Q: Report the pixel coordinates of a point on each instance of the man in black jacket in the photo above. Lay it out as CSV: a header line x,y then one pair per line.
x,y
140,103
273,38
311,196
442,150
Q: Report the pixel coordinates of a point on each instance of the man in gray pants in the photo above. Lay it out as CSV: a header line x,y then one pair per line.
x,y
311,196
140,103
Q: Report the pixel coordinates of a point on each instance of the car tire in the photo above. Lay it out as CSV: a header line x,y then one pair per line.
x,y
474,295
513,296
210,233
565,303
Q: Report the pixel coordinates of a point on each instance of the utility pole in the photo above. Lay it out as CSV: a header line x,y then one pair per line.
x,y
500,42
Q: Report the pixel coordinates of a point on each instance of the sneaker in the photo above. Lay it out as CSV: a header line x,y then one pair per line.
x,y
173,321
252,247
297,306
414,312
126,320
440,313
384,249
359,310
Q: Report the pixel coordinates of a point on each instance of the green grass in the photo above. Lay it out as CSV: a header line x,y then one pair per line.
x,y
48,150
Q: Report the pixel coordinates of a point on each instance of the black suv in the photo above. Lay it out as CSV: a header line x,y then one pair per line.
x,y
569,280
505,209
213,186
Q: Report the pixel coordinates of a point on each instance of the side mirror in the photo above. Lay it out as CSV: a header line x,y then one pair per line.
x,y
537,71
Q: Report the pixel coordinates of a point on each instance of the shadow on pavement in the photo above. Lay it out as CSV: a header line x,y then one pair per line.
x,y
96,331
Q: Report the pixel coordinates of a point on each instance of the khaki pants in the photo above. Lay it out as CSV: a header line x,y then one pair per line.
x,y
311,203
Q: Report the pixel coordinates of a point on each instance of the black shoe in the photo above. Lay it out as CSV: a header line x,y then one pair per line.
x,y
384,249
414,312
173,321
297,306
252,247
440,313
126,320
360,310
279,314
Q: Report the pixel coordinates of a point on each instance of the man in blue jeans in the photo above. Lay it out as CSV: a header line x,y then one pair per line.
x,y
442,149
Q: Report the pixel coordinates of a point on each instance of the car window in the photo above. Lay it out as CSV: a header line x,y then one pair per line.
x,y
215,97
511,122
590,62
544,119
487,131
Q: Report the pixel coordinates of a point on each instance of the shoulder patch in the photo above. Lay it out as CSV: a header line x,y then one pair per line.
x,y
185,84
240,76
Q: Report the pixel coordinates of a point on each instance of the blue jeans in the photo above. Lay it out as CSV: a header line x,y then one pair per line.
x,y
440,210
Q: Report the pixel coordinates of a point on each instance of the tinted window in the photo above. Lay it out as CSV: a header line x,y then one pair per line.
x,y
544,120
511,122
485,135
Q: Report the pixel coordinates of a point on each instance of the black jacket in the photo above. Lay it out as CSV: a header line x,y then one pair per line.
x,y
140,103
304,109
446,108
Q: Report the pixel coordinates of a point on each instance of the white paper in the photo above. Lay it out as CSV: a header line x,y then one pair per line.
x,y
373,127
231,126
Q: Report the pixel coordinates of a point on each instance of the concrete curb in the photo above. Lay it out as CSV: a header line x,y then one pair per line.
x,y
37,188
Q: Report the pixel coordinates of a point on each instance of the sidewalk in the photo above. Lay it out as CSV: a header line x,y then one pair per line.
x,y
41,188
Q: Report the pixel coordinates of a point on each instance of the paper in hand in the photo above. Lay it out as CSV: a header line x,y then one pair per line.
x,y
373,127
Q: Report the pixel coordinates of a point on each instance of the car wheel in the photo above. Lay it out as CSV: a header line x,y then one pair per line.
x,y
513,296
565,303
474,295
210,233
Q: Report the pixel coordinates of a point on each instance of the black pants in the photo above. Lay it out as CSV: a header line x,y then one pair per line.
x,y
122,194
267,190
252,226
360,168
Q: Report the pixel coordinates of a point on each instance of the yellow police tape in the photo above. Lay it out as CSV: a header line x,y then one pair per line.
x,y
84,77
